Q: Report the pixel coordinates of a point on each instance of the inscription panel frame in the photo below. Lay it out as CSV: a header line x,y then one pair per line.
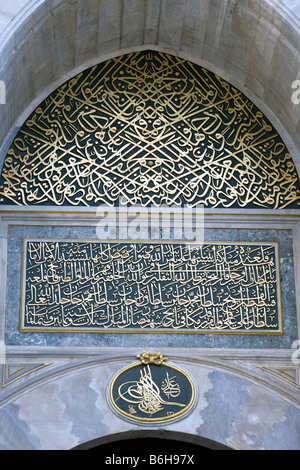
x,y
161,330
272,226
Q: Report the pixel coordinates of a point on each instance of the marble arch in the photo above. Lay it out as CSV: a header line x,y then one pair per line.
x,y
229,37
255,47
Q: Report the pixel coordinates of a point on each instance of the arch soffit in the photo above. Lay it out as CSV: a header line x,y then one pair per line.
x,y
255,76
157,434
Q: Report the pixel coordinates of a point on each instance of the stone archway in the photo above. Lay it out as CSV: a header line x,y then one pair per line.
x,y
65,405
159,442
253,49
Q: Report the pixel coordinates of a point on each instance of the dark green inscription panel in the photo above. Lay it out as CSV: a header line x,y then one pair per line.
x,y
151,393
149,129
145,287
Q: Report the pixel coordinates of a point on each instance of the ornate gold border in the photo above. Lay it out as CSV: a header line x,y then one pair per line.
x,y
280,376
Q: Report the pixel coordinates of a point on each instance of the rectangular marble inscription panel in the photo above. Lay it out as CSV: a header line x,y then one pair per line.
x,y
95,286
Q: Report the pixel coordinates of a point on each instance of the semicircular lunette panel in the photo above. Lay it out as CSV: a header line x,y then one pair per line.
x,y
149,129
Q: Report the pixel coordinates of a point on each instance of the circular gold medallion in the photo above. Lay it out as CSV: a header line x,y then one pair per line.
x,y
150,393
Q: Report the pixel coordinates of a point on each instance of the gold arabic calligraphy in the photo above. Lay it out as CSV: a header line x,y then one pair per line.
x,y
150,129
147,394
140,286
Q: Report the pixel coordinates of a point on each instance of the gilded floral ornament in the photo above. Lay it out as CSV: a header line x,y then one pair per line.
x,y
155,358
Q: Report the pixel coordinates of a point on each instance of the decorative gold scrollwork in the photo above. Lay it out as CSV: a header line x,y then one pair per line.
x,y
149,129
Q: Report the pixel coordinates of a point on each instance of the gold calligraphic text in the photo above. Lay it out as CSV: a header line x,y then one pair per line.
x,y
140,287
149,129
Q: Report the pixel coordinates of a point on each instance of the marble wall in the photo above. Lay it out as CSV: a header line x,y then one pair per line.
x,y
229,410
286,267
